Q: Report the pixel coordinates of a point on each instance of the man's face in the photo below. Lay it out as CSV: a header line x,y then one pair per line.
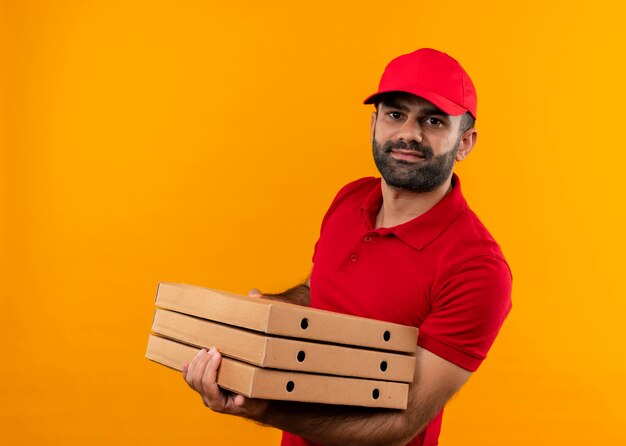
x,y
414,143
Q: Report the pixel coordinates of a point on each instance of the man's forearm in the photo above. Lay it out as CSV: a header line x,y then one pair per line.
x,y
338,425
299,295
434,383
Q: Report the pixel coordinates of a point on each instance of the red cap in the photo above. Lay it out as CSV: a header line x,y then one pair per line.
x,y
432,75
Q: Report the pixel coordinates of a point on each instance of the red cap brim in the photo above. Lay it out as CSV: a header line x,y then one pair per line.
x,y
446,105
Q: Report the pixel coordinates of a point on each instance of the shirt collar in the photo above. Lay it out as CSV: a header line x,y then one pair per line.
x,y
421,230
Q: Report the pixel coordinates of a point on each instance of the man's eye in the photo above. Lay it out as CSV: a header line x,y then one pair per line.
x,y
434,122
395,115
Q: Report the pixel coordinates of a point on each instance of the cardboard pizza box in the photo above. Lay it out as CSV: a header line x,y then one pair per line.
x,y
285,319
257,382
283,353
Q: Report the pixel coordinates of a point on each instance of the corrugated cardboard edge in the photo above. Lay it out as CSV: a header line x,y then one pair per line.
x,y
280,353
161,350
217,305
286,319
296,321
256,382
305,387
313,357
234,342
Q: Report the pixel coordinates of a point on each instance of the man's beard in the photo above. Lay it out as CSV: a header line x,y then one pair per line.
x,y
422,176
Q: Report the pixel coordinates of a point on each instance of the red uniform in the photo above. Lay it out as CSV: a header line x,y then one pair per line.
x,y
441,272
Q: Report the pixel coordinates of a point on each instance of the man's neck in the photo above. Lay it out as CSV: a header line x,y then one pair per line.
x,y
402,205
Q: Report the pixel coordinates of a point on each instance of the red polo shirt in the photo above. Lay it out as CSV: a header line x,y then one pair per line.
x,y
441,272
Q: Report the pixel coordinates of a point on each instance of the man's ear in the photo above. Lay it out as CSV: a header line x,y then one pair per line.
x,y
467,143
373,126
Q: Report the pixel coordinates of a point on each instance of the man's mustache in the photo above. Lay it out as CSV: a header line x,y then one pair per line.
x,y
425,151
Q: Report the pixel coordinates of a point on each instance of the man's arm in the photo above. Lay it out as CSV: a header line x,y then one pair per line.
x,y
435,381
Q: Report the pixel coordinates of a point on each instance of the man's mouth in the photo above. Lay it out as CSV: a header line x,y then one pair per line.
x,y
407,155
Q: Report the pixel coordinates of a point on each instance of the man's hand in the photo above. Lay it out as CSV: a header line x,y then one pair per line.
x,y
254,292
435,381
299,295
201,375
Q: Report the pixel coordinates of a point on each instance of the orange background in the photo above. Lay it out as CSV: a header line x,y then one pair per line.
x,y
201,142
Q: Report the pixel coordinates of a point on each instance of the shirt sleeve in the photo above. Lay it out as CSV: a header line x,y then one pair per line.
x,y
468,310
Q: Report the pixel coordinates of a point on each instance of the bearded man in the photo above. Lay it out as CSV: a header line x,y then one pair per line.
x,y
404,248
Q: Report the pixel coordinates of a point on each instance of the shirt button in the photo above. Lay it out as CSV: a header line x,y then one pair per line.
x,y
353,257
368,238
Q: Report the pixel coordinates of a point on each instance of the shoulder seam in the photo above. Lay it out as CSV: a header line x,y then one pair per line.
x,y
500,259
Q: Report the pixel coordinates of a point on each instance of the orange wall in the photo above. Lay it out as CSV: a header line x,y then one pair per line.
x,y
202,142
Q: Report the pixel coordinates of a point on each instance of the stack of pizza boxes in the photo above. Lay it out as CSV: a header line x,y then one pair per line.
x,y
281,351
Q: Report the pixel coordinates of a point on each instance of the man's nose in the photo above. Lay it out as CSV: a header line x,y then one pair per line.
x,y
410,131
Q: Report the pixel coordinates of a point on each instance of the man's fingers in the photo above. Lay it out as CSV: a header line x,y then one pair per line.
x,y
203,360
254,292
191,368
209,379
240,400
185,369
201,375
